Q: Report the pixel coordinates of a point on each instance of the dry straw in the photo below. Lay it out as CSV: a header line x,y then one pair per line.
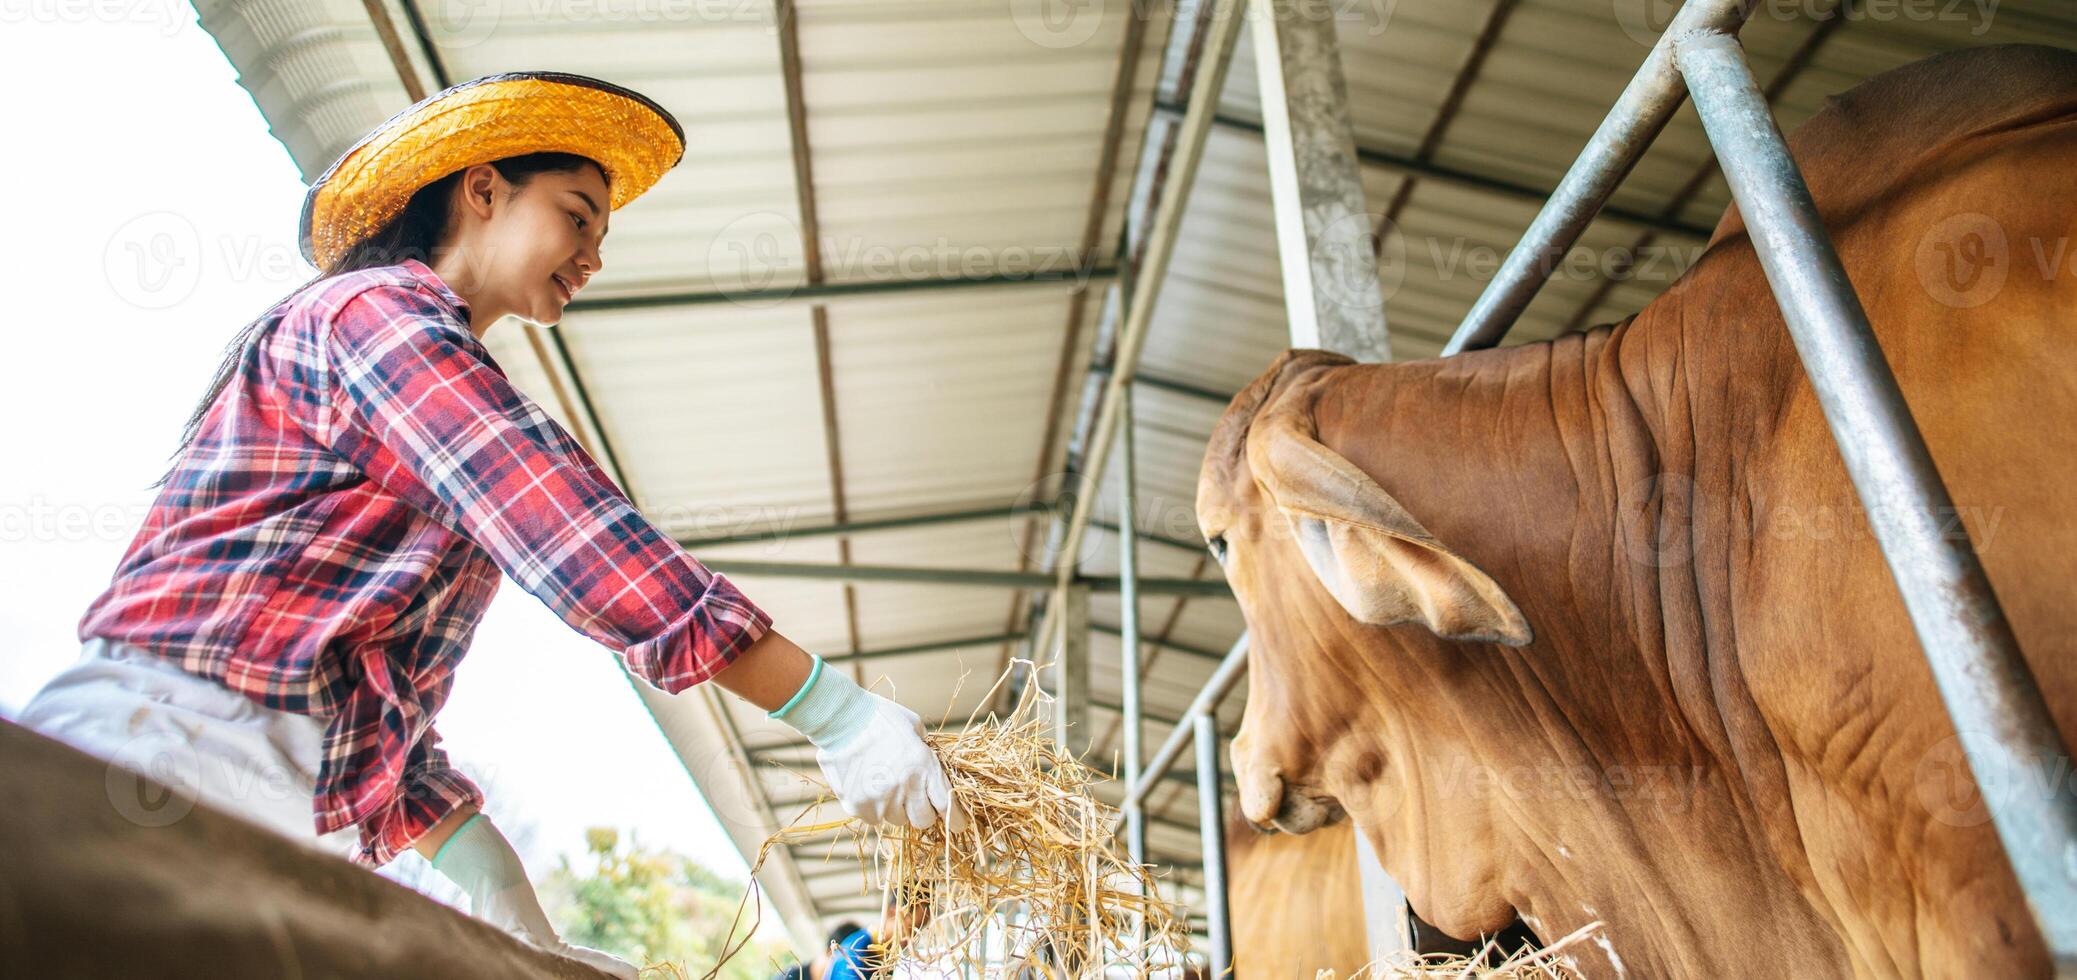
x,y
1035,883
1489,962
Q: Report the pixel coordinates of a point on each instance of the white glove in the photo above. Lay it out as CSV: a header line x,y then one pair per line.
x,y
479,859
872,753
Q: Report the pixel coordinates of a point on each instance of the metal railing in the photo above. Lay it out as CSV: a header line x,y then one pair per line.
x,y
1997,708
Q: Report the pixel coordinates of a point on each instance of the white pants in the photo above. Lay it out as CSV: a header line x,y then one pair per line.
x,y
146,715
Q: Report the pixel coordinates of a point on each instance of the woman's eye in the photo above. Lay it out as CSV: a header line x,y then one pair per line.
x,y
1218,547
579,219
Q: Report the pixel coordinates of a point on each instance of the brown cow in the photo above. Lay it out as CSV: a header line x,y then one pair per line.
x,y
1593,629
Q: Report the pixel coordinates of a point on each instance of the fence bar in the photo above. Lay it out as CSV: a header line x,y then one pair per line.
x,y
1211,821
1231,670
1639,113
2004,726
1128,621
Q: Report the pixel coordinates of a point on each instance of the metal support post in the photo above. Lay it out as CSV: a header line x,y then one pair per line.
x,y
1211,822
1316,185
1071,671
1639,113
2003,723
1128,622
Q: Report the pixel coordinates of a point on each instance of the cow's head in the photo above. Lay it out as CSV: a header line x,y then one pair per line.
x,y
1350,601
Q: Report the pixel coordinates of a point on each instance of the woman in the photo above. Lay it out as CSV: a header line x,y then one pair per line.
x,y
287,622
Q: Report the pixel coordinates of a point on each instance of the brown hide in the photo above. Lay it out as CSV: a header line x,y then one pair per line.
x,y
1297,902
1722,740
110,875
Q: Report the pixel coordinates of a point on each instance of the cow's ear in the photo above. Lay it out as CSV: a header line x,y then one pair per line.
x,y
1380,563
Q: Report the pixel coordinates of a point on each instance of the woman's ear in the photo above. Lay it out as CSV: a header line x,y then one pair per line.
x,y
479,189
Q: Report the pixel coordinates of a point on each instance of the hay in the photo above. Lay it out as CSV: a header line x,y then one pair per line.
x,y
1036,876
1527,963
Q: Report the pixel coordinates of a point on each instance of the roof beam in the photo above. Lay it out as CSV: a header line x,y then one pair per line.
x,y
859,526
981,577
1453,177
827,292
1164,643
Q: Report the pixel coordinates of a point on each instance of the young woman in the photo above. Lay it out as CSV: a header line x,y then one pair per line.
x,y
283,630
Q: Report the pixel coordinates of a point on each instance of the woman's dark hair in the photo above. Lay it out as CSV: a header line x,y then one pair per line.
x,y
412,234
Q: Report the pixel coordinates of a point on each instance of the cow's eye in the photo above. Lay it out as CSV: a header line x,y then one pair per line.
x,y
1217,544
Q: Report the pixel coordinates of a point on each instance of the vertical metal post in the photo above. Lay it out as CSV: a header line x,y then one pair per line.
x,y
1071,670
1323,229
1128,621
2003,723
1211,824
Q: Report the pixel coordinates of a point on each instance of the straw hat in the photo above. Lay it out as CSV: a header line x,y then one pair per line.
x,y
490,118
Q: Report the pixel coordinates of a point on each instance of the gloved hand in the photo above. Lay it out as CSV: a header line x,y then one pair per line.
x,y
479,859
872,752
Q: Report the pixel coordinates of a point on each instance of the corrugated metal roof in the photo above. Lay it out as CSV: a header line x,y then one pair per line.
x,y
949,140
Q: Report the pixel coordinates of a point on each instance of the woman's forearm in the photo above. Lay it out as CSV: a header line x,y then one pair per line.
x,y
769,673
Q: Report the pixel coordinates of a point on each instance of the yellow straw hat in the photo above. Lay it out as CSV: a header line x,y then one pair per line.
x,y
479,121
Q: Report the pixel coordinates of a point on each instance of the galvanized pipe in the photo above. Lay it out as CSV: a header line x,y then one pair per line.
x,y
1128,621
1230,671
1650,99
1999,714
1211,825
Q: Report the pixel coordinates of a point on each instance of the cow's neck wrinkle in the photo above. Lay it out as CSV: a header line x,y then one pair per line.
x,y
1529,461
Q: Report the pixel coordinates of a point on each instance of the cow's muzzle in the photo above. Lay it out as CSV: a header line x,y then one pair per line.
x,y
1273,804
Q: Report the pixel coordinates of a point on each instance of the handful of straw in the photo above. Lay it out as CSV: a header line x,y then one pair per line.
x,y
1037,861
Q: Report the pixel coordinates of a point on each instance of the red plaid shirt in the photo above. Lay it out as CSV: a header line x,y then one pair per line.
x,y
331,539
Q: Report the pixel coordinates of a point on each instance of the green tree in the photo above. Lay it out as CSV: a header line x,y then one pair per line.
x,y
654,906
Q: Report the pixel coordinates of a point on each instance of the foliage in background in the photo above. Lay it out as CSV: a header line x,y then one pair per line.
x,y
654,906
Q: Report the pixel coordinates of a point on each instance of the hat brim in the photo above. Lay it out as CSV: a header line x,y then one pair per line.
x,y
480,121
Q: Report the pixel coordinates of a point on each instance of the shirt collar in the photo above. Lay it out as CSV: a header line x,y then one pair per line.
x,y
426,274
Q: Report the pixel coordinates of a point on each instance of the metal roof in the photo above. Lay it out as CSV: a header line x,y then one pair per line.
x,y
889,395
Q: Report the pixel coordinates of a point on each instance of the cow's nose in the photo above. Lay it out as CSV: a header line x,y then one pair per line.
x,y
1303,812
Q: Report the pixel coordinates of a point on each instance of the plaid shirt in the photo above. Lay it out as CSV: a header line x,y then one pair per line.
x,y
332,537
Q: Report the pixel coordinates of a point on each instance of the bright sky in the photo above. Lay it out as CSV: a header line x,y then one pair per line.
x,y
133,148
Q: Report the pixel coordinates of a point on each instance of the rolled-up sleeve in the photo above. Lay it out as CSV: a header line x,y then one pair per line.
x,y
431,789
416,402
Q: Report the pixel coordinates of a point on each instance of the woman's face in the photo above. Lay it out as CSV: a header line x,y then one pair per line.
x,y
536,248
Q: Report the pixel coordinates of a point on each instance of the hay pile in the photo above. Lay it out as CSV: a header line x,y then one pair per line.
x,y
1035,877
